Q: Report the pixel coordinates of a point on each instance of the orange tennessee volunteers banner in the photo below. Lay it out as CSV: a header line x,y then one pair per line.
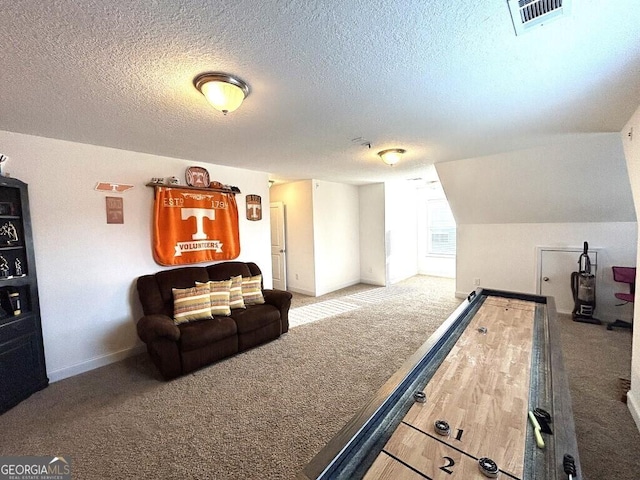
x,y
191,226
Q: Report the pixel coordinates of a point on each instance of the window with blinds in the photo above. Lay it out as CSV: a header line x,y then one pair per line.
x,y
441,228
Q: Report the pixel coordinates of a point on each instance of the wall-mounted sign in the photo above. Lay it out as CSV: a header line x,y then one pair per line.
x,y
254,207
197,177
113,187
115,210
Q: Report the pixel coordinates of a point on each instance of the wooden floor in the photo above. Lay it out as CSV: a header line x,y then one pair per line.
x,y
481,390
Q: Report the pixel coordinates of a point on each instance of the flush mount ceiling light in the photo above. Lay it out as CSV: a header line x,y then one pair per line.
x,y
391,156
225,92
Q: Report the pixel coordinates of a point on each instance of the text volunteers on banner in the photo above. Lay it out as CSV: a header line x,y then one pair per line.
x,y
194,227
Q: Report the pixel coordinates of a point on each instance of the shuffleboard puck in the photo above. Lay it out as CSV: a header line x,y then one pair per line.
x,y
442,427
419,397
569,466
488,467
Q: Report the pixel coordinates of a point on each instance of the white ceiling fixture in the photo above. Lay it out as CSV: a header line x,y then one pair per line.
x,y
529,14
225,92
391,156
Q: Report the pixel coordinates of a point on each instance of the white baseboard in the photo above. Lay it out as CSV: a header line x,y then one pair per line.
x,y
101,361
633,404
301,291
339,286
372,281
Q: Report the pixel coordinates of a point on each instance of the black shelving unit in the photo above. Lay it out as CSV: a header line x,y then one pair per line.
x,y
22,365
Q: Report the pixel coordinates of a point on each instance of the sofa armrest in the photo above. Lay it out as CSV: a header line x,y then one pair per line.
x,y
282,301
155,326
278,298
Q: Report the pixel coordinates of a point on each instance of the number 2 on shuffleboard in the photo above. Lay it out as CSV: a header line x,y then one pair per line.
x,y
450,463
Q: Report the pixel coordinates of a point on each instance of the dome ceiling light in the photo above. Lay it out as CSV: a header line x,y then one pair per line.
x,y
225,92
391,156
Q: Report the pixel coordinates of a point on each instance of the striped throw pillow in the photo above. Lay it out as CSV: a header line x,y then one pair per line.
x,y
191,304
252,290
219,293
235,299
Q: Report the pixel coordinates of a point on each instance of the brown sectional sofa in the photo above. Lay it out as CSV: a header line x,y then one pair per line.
x,y
180,349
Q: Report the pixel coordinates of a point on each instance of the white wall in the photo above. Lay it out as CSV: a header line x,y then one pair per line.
x,y
86,268
322,229
298,201
562,194
505,257
336,227
372,234
343,235
401,234
358,234
631,145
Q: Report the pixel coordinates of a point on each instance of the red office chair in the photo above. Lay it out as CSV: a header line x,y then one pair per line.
x,y
624,275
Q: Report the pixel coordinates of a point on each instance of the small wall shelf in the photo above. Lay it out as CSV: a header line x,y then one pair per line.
x,y
201,189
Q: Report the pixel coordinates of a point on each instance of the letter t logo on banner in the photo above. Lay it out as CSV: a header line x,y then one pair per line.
x,y
199,214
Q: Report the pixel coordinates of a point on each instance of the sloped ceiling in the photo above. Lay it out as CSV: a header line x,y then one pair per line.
x,y
580,179
444,80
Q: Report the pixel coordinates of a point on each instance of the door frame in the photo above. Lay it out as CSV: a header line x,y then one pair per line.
x,y
577,250
281,206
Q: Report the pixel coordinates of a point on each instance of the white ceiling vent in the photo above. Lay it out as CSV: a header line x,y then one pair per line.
x,y
528,14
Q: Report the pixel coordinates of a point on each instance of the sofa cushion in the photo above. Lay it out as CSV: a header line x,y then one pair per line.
x,y
184,277
226,270
155,290
191,304
235,292
219,293
252,290
255,317
205,332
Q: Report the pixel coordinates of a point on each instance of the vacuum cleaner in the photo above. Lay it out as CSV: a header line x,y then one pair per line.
x,y
583,287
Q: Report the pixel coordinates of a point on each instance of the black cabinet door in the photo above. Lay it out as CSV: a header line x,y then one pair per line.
x,y
20,370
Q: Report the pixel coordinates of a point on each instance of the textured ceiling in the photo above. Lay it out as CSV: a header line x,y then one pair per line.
x,y
444,80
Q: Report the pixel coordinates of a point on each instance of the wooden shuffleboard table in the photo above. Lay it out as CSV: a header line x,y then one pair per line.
x,y
486,396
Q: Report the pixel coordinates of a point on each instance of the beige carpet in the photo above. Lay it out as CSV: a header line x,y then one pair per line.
x,y
265,413
596,359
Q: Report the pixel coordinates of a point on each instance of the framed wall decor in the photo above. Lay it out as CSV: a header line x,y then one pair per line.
x,y
254,207
115,210
197,177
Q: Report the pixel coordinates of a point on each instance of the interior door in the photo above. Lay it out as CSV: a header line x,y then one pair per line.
x,y
556,266
278,247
